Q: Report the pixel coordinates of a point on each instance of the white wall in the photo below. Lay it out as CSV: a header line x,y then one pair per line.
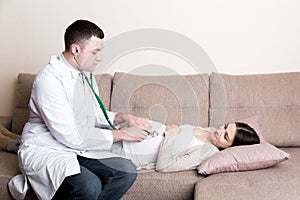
x,y
239,36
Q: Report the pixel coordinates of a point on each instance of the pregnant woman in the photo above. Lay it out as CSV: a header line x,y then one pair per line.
x,y
177,148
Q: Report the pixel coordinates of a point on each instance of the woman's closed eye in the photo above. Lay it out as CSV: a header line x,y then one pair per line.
x,y
226,136
225,127
226,133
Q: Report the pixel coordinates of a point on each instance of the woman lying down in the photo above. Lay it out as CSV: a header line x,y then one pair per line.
x,y
169,148
177,148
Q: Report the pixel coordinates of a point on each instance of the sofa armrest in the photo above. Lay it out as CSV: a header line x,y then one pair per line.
x,y
6,122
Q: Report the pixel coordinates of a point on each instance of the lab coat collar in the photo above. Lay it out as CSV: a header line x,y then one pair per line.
x,y
62,68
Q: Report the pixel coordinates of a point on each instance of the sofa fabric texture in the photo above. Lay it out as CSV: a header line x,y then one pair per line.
x,y
275,98
167,99
25,82
204,100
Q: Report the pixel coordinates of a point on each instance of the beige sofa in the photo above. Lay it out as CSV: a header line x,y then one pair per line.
x,y
205,100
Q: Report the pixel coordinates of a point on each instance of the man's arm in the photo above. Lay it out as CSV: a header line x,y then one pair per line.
x,y
53,106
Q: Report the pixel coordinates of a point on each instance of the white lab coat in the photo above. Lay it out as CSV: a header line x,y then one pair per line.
x,y
63,112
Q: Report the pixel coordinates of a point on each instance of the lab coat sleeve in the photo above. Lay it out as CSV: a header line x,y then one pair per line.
x,y
54,107
100,118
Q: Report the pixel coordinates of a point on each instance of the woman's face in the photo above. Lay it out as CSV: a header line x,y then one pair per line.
x,y
224,135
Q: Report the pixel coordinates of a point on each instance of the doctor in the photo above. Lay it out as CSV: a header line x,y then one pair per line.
x,y
62,154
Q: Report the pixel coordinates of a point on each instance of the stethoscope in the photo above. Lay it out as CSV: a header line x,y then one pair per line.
x,y
90,83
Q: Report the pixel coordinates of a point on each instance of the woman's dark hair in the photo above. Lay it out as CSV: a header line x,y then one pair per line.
x,y
81,30
245,135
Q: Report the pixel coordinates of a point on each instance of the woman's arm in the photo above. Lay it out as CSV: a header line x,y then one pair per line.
x,y
171,158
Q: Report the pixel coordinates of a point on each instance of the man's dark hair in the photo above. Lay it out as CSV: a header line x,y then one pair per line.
x,y
245,135
81,30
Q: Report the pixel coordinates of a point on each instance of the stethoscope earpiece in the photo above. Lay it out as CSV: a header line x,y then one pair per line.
x,y
76,53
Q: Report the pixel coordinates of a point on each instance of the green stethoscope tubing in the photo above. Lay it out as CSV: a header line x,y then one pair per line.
x,y
100,102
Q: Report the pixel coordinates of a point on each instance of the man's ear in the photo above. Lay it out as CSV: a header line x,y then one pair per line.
x,y
75,49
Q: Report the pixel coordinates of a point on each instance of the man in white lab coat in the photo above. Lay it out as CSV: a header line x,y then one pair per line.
x,y
63,155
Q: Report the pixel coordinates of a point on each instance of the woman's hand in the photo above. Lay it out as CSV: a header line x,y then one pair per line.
x,y
201,134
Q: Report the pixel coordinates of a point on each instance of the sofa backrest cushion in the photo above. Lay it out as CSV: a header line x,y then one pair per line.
x,y
167,99
275,98
21,111
25,81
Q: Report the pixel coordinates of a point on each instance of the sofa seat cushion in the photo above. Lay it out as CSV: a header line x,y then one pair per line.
x,y
278,182
148,185
157,185
8,168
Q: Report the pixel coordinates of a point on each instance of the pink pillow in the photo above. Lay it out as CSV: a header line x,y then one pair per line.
x,y
241,158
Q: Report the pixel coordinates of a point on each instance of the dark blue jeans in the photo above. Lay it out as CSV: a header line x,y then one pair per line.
x,y
101,179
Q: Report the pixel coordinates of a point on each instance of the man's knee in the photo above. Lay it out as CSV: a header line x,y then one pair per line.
x,y
90,185
127,171
130,175
119,164
122,167
90,188
85,185
128,166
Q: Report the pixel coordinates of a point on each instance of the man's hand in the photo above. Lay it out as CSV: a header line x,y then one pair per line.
x,y
131,120
133,134
135,131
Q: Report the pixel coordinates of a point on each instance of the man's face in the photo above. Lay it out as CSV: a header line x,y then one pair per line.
x,y
90,54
